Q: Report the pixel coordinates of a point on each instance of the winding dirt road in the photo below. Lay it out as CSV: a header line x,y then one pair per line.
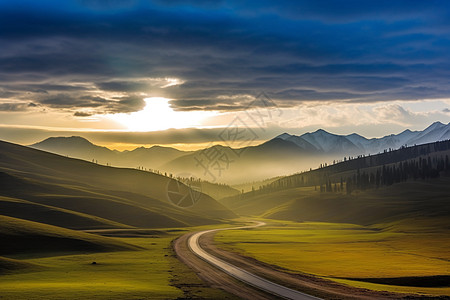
x,y
241,274
218,277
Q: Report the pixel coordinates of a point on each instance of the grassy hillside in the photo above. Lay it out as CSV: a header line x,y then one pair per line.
x,y
390,236
403,201
9,265
44,197
72,193
418,162
407,257
26,237
215,190
153,272
248,186
391,186
37,212
114,209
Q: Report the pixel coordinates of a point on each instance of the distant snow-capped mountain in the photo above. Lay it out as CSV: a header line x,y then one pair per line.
x,y
325,142
284,154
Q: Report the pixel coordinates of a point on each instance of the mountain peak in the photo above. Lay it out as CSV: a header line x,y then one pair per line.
x,y
317,133
321,131
354,134
218,147
283,136
71,139
159,147
435,125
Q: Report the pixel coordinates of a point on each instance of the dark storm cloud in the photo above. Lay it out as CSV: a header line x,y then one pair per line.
x,y
123,86
69,101
42,88
348,10
14,106
296,51
313,95
204,104
82,114
96,104
126,104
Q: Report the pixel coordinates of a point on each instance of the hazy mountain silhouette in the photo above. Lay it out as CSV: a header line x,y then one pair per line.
x,y
355,144
79,147
281,155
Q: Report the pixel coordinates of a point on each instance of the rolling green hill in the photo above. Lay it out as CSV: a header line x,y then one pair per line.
x,y
8,265
215,190
424,204
407,184
398,203
72,193
37,212
25,237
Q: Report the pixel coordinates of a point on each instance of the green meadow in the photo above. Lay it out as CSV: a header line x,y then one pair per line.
x,y
56,221
51,208
152,272
397,255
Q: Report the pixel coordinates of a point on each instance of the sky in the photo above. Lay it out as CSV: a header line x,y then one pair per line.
x,y
125,73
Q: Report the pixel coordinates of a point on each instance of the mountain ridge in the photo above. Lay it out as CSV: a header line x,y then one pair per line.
x,y
281,155
86,195
309,138
355,143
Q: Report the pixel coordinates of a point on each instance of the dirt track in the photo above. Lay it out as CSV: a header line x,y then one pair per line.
x,y
303,282
216,278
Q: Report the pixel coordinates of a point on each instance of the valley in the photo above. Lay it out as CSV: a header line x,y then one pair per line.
x,y
117,233
224,150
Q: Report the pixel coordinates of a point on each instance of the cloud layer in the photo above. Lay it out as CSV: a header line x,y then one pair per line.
x,y
97,57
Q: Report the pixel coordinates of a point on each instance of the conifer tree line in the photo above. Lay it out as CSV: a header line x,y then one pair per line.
x,y
418,162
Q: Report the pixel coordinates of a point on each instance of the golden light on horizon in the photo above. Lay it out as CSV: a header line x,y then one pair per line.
x,y
158,115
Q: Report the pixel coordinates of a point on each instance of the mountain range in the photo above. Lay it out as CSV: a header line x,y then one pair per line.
x,y
282,155
78,147
355,144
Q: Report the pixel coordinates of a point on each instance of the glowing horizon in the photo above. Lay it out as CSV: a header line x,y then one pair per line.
x,y
158,115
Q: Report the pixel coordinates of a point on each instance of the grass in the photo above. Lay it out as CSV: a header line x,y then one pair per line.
x,y
43,197
151,273
8,265
77,194
30,238
23,209
117,275
346,251
387,204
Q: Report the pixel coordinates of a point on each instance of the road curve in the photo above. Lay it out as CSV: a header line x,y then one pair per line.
x,y
240,274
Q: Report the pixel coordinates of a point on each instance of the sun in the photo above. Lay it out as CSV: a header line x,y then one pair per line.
x,y
158,115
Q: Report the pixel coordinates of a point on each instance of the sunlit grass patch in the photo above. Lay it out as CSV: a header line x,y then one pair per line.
x,y
144,274
136,274
345,250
